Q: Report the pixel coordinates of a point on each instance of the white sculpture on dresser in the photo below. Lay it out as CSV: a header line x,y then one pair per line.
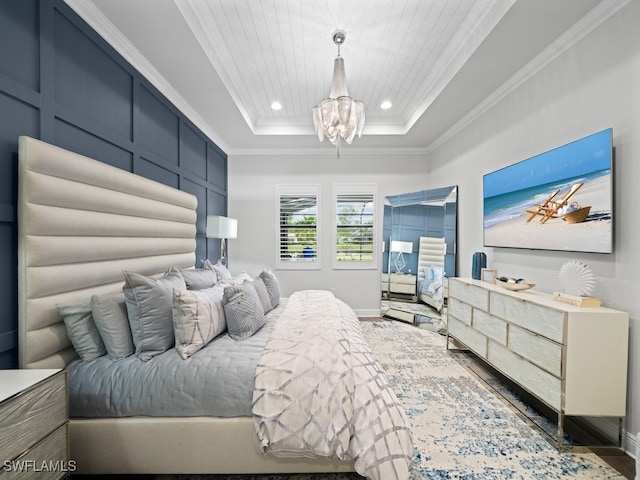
x,y
577,278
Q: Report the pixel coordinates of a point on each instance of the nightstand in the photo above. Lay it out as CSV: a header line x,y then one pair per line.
x,y
34,418
403,283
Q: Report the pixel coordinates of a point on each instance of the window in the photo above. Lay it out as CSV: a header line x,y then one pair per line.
x,y
298,230
355,229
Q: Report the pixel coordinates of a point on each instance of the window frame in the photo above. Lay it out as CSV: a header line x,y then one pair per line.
x,y
342,189
283,190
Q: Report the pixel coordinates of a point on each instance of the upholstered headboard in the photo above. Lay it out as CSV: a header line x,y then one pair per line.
x,y
430,252
82,222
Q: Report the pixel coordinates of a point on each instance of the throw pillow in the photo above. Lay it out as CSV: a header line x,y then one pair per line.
x,y
243,310
82,330
110,316
221,271
198,317
263,294
273,287
149,306
428,274
198,279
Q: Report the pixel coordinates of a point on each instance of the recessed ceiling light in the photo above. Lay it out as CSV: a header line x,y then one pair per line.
x,y
276,106
386,105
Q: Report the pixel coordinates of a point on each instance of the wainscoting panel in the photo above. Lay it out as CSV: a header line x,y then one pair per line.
x,y
18,28
75,138
158,127
88,81
62,83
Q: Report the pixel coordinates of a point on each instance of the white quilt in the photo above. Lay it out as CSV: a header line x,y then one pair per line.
x,y
320,392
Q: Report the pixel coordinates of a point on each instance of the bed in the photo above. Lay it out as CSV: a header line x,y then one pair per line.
x,y
81,224
432,286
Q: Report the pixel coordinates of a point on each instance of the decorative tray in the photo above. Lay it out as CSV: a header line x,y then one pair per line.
x,y
515,287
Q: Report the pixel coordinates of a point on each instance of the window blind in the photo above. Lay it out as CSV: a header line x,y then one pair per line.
x,y
298,227
354,227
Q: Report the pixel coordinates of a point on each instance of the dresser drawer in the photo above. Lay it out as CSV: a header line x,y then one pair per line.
x,y
545,321
539,350
473,295
32,414
404,279
47,459
467,335
402,288
462,311
542,384
492,327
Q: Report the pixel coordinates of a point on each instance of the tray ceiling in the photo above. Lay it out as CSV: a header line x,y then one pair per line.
x,y
224,62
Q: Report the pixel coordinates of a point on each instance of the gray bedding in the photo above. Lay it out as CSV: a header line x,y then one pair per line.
x,y
216,381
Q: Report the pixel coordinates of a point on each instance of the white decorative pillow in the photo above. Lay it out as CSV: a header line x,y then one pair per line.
x,y
82,330
110,316
149,305
243,310
273,287
198,317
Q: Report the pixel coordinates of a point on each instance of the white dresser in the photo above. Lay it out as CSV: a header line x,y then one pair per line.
x,y
574,359
34,417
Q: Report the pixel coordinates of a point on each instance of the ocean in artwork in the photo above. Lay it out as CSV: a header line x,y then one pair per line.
x,y
511,205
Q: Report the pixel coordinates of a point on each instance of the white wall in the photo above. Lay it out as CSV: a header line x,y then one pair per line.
x,y
592,86
252,199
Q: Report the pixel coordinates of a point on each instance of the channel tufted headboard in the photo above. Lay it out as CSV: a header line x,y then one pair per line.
x,y
82,222
430,252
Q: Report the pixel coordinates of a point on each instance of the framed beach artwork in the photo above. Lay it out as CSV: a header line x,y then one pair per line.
x,y
559,200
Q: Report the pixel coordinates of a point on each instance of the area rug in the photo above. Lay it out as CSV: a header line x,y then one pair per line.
x,y
461,429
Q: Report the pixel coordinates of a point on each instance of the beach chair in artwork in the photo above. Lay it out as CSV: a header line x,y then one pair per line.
x,y
551,210
538,208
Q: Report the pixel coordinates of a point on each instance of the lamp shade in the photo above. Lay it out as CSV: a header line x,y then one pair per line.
x,y
221,227
401,247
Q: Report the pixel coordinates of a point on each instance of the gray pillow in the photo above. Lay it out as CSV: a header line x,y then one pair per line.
x,y
243,310
82,330
110,316
222,272
273,287
199,279
198,317
263,295
149,306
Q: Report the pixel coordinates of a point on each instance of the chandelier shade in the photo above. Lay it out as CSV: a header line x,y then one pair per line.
x,y
338,117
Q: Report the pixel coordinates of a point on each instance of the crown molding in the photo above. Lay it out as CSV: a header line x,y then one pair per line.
x,y
320,151
87,10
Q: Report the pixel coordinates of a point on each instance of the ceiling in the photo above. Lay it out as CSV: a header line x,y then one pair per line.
x,y
440,62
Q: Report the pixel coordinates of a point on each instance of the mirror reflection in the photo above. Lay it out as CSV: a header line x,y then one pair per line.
x,y
419,253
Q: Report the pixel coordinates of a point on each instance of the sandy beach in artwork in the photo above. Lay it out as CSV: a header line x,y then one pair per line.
x,y
592,235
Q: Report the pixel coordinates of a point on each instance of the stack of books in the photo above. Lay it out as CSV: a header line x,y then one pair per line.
x,y
576,300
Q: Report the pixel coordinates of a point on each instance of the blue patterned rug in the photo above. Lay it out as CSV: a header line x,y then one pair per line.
x,y
461,430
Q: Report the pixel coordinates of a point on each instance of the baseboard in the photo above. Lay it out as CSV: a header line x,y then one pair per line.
x,y
373,312
609,428
630,445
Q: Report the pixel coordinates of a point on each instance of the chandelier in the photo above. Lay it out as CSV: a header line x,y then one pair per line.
x,y
338,117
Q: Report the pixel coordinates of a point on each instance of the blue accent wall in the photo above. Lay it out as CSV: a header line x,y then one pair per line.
x,y
61,83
